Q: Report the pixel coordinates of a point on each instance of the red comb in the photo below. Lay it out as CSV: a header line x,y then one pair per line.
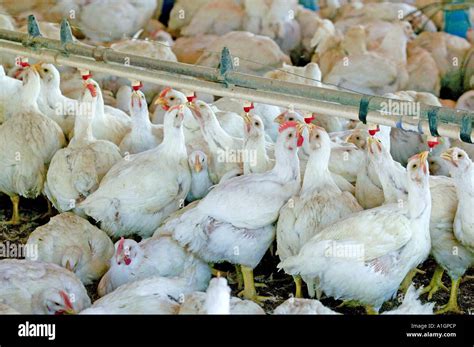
x,y
287,125
164,92
23,64
92,89
248,108
66,299
308,120
292,124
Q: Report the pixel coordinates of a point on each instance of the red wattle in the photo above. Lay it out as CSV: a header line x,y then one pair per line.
x,y
191,98
86,77
299,143
308,120
432,144
127,261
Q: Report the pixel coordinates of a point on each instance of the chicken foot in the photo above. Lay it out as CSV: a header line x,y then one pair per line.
x,y
249,291
435,284
15,220
452,305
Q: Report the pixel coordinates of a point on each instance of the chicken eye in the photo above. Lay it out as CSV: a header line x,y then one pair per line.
x,y
290,135
256,124
460,155
172,98
291,119
357,138
317,136
45,70
414,166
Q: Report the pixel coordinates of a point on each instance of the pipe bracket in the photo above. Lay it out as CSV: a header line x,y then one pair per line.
x,y
433,121
466,129
364,108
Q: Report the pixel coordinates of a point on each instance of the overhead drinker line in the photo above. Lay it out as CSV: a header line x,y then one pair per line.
x,y
226,81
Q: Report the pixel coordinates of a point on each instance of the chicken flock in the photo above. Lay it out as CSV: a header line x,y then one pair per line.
x,y
150,188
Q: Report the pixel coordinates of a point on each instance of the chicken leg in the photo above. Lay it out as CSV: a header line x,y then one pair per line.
x,y
452,305
298,293
249,291
408,279
15,220
435,284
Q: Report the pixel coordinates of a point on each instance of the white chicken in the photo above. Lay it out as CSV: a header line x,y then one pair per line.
x,y
239,230
10,96
223,148
256,53
139,192
255,158
411,304
125,17
40,288
368,190
217,17
337,152
302,306
53,103
143,135
319,204
217,300
108,124
267,112
274,19
444,204
161,256
153,295
28,141
366,256
73,243
387,69
75,171
462,171
200,180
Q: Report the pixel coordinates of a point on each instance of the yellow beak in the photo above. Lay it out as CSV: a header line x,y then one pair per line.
x,y
423,156
247,118
160,101
197,166
279,119
37,67
68,266
447,155
69,311
300,126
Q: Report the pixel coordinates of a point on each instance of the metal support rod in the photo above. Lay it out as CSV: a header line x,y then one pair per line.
x,y
245,86
215,88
